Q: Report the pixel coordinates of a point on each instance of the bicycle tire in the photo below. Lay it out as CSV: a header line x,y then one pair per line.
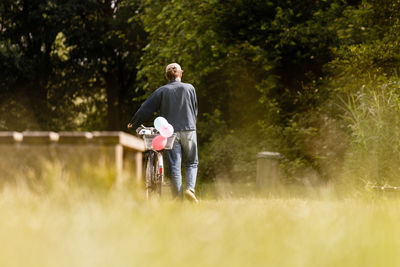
x,y
154,176
159,173
149,175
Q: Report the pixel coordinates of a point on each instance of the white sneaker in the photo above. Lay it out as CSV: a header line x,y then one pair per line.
x,y
190,195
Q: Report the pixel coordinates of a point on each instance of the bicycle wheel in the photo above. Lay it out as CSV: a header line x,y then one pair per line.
x,y
159,173
154,174
149,176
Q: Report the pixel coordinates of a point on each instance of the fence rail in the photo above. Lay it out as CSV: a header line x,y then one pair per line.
x,y
117,150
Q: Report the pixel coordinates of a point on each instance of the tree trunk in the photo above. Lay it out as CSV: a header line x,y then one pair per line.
x,y
113,105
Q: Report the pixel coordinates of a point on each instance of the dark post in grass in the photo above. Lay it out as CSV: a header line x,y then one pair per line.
x,y
268,171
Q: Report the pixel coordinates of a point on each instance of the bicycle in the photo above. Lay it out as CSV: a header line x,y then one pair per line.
x,y
154,164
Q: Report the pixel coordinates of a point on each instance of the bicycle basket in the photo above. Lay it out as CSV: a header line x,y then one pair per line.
x,y
148,139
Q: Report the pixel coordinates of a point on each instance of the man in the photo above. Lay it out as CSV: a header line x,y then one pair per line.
x,y
177,102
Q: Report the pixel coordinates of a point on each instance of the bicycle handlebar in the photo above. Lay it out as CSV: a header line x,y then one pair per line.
x,y
143,130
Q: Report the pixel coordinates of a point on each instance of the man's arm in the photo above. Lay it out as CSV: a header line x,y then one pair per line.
x,y
146,110
196,109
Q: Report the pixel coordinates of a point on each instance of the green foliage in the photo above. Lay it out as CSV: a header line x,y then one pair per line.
x,y
26,66
229,154
367,89
107,38
314,80
55,54
59,48
186,32
259,64
373,118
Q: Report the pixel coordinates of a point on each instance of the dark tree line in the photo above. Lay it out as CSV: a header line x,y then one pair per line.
x,y
63,59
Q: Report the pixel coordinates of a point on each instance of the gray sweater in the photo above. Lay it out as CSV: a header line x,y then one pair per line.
x,y
176,101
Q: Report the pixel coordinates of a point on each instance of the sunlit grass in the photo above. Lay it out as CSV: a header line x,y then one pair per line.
x,y
80,227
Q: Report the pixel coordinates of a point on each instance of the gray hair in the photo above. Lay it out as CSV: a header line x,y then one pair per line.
x,y
172,71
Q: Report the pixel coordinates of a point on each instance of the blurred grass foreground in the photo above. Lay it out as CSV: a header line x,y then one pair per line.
x,y
58,212
70,224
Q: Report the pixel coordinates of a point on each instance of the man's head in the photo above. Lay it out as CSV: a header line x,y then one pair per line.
x,y
173,71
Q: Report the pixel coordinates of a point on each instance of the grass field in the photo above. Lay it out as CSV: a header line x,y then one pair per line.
x,y
84,228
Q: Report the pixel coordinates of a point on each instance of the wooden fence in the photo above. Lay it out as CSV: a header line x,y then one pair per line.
x,y
75,151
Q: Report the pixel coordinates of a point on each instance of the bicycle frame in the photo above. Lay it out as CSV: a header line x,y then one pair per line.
x,y
154,175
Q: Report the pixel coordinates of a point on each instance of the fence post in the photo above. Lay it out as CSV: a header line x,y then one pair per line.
x,y
268,171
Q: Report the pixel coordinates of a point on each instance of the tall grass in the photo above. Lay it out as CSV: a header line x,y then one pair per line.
x,y
373,117
72,224
59,219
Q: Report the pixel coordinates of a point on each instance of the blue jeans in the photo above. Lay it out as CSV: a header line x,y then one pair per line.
x,y
185,145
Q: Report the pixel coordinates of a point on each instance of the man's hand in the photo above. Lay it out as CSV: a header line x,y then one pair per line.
x,y
130,125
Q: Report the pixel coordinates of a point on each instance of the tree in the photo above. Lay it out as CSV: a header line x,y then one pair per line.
x,y
108,38
60,58
364,77
257,66
26,65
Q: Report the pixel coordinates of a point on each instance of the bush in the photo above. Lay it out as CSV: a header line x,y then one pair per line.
x,y
373,117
